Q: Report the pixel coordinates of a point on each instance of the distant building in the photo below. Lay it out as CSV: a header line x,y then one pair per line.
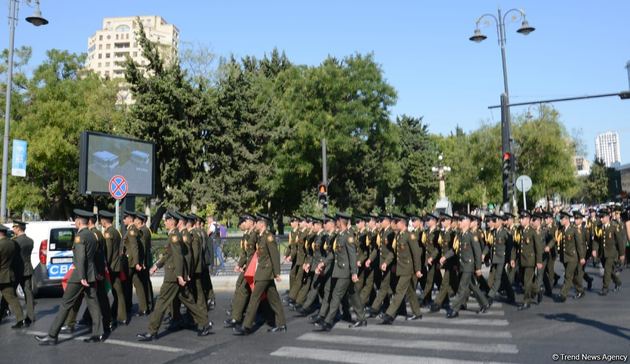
x,y
607,148
582,166
109,47
624,177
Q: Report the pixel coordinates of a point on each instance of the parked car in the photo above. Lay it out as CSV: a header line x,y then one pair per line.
x,y
52,252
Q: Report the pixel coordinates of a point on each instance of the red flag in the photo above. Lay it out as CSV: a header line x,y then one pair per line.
x,y
122,275
66,277
250,272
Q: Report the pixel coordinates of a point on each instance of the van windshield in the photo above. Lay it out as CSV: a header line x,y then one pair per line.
x,y
61,239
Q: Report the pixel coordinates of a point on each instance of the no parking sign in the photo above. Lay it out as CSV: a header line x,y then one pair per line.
x,y
118,187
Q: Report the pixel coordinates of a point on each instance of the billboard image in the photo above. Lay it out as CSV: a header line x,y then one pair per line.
x,y
104,156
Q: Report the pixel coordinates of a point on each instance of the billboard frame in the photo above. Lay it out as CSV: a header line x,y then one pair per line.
x,y
83,163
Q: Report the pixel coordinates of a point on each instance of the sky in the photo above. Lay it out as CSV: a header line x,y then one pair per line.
x,y
578,48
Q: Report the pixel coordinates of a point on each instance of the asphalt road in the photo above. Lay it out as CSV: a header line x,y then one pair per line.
x,y
593,325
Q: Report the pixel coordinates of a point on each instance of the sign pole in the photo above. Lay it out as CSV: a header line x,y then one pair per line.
x,y
524,199
117,225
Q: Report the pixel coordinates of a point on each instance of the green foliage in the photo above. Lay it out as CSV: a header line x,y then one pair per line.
x,y
63,101
595,187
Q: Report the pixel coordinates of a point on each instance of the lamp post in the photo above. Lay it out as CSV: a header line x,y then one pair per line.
x,y
477,37
441,171
37,20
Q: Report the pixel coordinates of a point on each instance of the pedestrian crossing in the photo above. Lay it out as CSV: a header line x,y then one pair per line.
x,y
470,338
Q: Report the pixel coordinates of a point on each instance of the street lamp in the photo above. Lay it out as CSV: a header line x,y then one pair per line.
x,y
477,37
37,20
441,171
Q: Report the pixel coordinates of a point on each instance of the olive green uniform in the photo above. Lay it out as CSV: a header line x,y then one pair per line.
x,y
549,258
609,245
408,262
113,254
135,256
343,261
319,280
501,249
300,257
385,255
25,279
145,245
572,249
174,266
467,246
243,291
84,255
432,250
9,250
267,269
291,252
449,276
529,255
307,276
369,272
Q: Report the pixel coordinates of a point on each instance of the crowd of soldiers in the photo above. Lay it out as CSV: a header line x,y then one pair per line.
x,y
368,264
104,257
378,264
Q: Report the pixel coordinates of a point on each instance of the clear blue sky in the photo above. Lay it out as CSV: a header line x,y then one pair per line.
x,y
578,48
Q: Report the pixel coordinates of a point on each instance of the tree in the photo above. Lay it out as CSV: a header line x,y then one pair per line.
x,y
62,100
417,154
169,112
595,187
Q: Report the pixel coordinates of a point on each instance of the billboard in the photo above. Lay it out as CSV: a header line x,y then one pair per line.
x,y
103,156
18,158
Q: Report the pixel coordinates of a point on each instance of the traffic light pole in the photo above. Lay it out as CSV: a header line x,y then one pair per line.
x,y
506,151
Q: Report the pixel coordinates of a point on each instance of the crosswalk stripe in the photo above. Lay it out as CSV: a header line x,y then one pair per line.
x,y
464,321
355,357
412,344
432,331
119,343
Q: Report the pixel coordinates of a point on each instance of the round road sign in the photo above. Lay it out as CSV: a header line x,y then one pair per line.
x,y
118,187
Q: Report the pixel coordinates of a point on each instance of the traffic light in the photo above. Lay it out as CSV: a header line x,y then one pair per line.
x,y
507,167
322,194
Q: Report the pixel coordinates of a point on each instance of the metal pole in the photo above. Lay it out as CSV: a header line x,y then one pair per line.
x,y
628,68
325,172
524,199
13,12
117,219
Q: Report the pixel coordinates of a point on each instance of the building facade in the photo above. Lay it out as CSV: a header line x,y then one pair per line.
x,y
607,148
582,166
109,47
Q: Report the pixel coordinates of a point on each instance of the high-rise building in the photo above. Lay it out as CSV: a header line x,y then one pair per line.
x,y
109,47
607,148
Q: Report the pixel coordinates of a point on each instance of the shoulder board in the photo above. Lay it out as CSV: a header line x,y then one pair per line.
x,y
77,239
174,239
270,238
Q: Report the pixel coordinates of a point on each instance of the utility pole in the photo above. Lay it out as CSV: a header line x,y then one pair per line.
x,y
323,187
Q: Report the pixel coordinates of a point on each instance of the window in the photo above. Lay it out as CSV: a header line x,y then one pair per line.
x,y
100,37
109,37
122,28
100,46
106,55
100,56
135,54
99,64
106,64
61,239
107,46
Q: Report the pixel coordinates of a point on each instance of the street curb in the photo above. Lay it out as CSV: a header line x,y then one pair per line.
x,y
223,283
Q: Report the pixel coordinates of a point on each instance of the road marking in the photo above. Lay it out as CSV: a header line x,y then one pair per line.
x,y
167,349
462,321
355,357
412,344
432,331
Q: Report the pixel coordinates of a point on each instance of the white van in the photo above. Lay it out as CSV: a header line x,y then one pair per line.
x,y
52,251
